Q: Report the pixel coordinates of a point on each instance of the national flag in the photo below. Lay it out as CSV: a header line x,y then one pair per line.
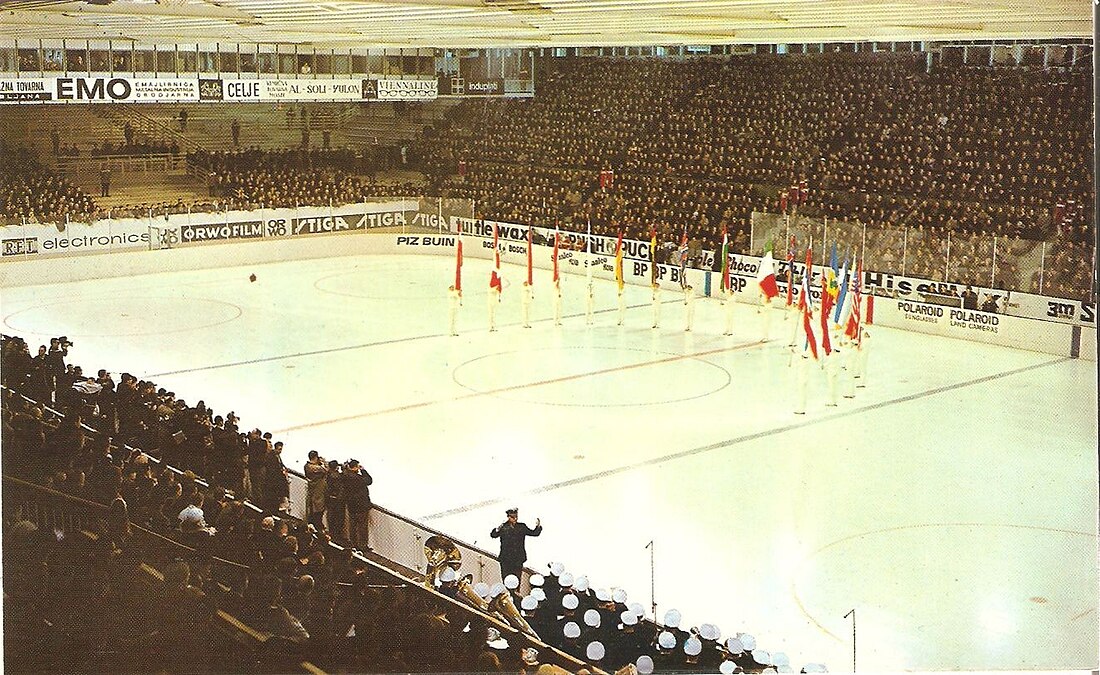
x,y
725,259
852,329
765,275
530,260
806,304
494,279
619,262
842,283
557,237
653,256
790,272
458,260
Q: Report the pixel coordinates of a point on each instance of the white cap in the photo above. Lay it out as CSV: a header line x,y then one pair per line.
x,y
637,608
496,590
769,669
572,630
565,579
784,669
672,618
447,575
645,665
727,667
192,515
556,568
693,646
592,618
482,589
511,582
762,657
708,631
603,595
495,640
780,659
619,596
747,641
666,640
595,651
580,584
815,668
538,594
734,645
570,601
528,603
536,580
629,618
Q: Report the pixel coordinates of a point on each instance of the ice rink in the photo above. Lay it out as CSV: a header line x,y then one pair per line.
x,y
952,503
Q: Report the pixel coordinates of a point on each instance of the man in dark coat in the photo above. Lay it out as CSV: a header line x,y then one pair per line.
x,y
357,493
512,535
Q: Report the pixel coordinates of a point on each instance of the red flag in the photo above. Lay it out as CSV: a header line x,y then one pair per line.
x,y
458,260
826,344
807,306
557,236
852,329
494,280
530,261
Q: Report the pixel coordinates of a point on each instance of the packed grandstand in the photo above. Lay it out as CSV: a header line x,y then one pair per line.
x,y
174,519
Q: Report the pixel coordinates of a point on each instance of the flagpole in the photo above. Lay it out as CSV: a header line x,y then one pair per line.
x,y
652,579
993,268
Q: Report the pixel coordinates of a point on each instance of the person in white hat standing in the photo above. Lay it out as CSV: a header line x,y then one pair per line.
x,y
689,307
526,298
454,296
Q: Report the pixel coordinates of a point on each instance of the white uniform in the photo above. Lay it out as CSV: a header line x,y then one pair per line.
x,y
861,358
622,306
766,308
832,372
590,306
455,297
849,376
689,307
727,302
494,300
525,300
656,288
556,297
802,373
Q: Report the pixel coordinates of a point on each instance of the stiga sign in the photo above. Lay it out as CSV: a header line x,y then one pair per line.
x,y
327,224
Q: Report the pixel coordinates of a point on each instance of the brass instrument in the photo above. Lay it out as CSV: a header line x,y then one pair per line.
x,y
503,605
441,553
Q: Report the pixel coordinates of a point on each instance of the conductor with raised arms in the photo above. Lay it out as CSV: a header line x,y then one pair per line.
x,y
512,535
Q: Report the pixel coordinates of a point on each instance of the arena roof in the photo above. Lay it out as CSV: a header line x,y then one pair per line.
x,y
509,23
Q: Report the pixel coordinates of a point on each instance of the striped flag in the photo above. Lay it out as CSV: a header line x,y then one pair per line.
x,y
826,345
842,282
494,279
765,275
806,304
725,260
852,329
619,261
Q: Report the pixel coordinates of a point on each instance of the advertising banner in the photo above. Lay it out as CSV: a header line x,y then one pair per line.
x,y
125,89
26,91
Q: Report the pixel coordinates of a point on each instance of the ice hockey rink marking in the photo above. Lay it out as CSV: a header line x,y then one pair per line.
x,y
549,487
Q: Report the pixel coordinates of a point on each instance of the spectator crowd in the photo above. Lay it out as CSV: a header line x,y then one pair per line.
x,y
162,466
